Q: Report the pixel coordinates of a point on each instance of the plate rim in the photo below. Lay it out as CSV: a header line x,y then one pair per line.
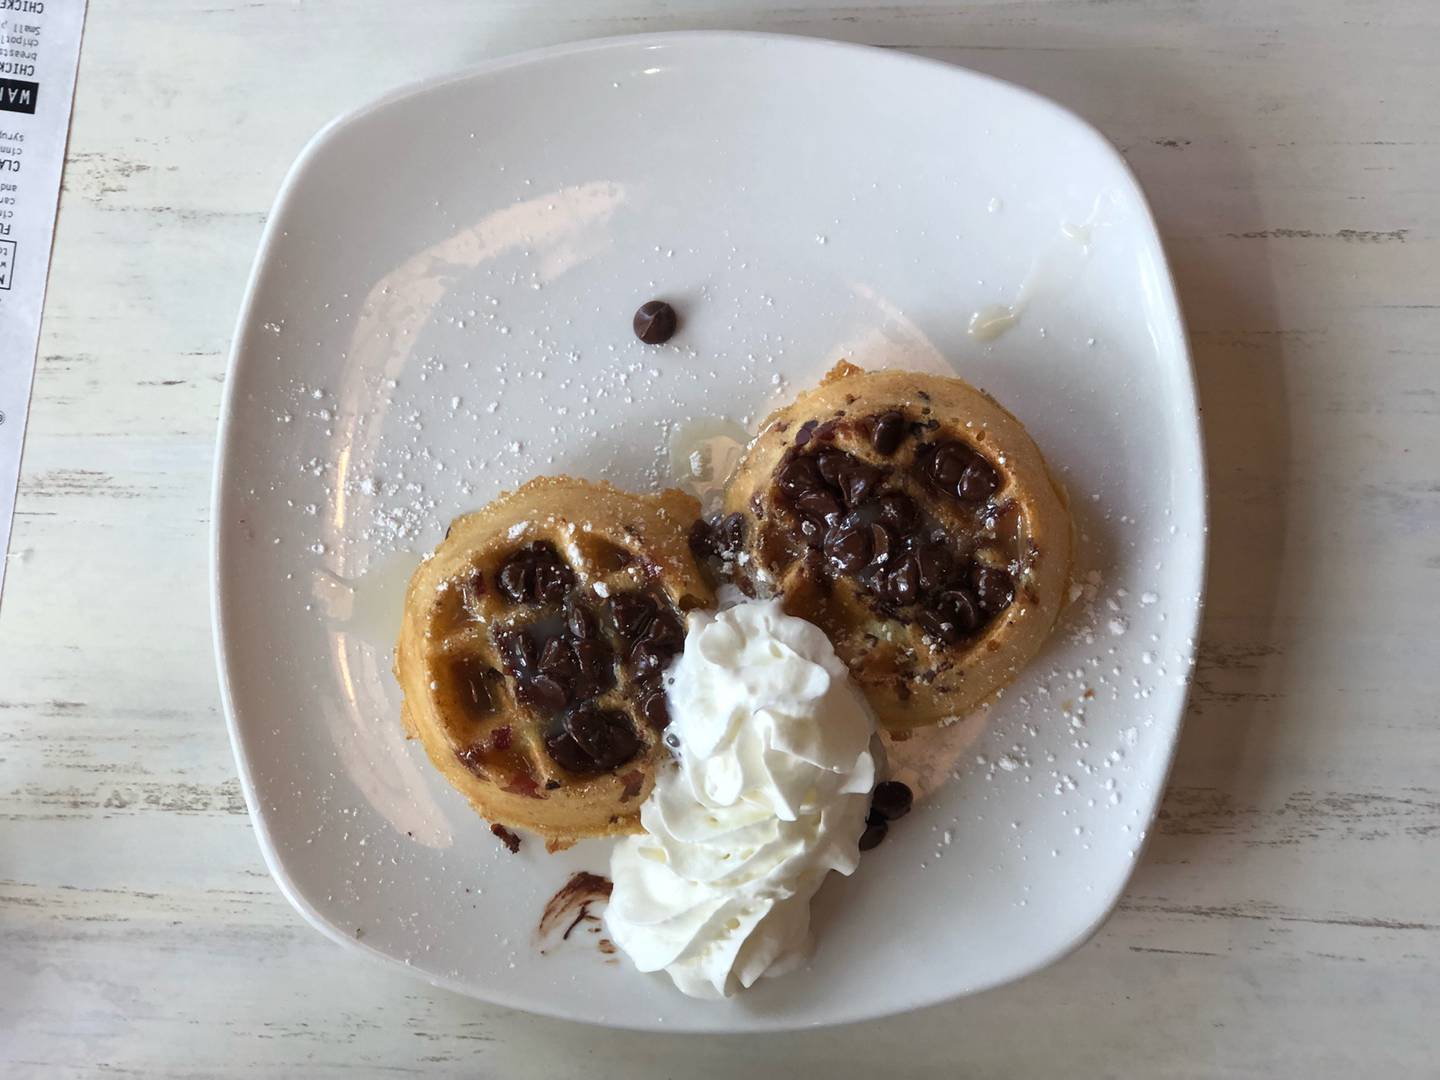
x,y
222,616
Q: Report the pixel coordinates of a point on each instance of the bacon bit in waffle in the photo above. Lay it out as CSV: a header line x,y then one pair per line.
x,y
634,781
523,784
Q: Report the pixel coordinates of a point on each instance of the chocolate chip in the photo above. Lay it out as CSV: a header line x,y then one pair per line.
x,y
951,617
901,585
597,666
993,588
655,322
663,639
730,535
829,463
960,605
631,613
517,649
817,504
535,572
556,658
655,709
936,567
553,579
702,540
799,475
979,481
474,685
879,544
946,465
960,471
500,738
891,799
847,545
856,481
898,511
567,753
517,578
806,430
937,627
604,734
667,629
543,694
811,533
887,432
872,835
506,837
580,620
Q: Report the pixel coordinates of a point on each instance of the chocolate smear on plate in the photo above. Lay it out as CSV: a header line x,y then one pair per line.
x,y
570,906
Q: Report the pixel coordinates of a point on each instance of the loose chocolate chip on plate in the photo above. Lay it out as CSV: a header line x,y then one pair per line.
x,y
891,799
873,834
887,433
655,322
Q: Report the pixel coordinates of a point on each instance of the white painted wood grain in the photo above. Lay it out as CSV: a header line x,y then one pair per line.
x,y
1285,920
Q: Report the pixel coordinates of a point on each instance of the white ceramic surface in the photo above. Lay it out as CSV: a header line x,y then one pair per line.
x,y
440,308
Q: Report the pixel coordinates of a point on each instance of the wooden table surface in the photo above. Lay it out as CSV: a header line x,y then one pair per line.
x,y
1285,919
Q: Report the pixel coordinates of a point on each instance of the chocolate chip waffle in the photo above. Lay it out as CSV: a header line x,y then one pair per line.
x,y
912,519
532,647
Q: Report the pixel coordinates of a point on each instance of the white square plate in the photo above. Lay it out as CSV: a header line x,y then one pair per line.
x,y
441,308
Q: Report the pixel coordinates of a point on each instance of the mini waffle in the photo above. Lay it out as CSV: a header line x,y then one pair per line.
x,y
532,647
914,520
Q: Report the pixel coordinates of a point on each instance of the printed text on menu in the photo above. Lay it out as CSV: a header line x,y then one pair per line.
x,y
39,47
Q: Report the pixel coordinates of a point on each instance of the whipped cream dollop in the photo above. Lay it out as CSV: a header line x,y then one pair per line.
x,y
769,794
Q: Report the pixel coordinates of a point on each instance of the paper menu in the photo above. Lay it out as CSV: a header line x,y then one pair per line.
x,y
39,50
